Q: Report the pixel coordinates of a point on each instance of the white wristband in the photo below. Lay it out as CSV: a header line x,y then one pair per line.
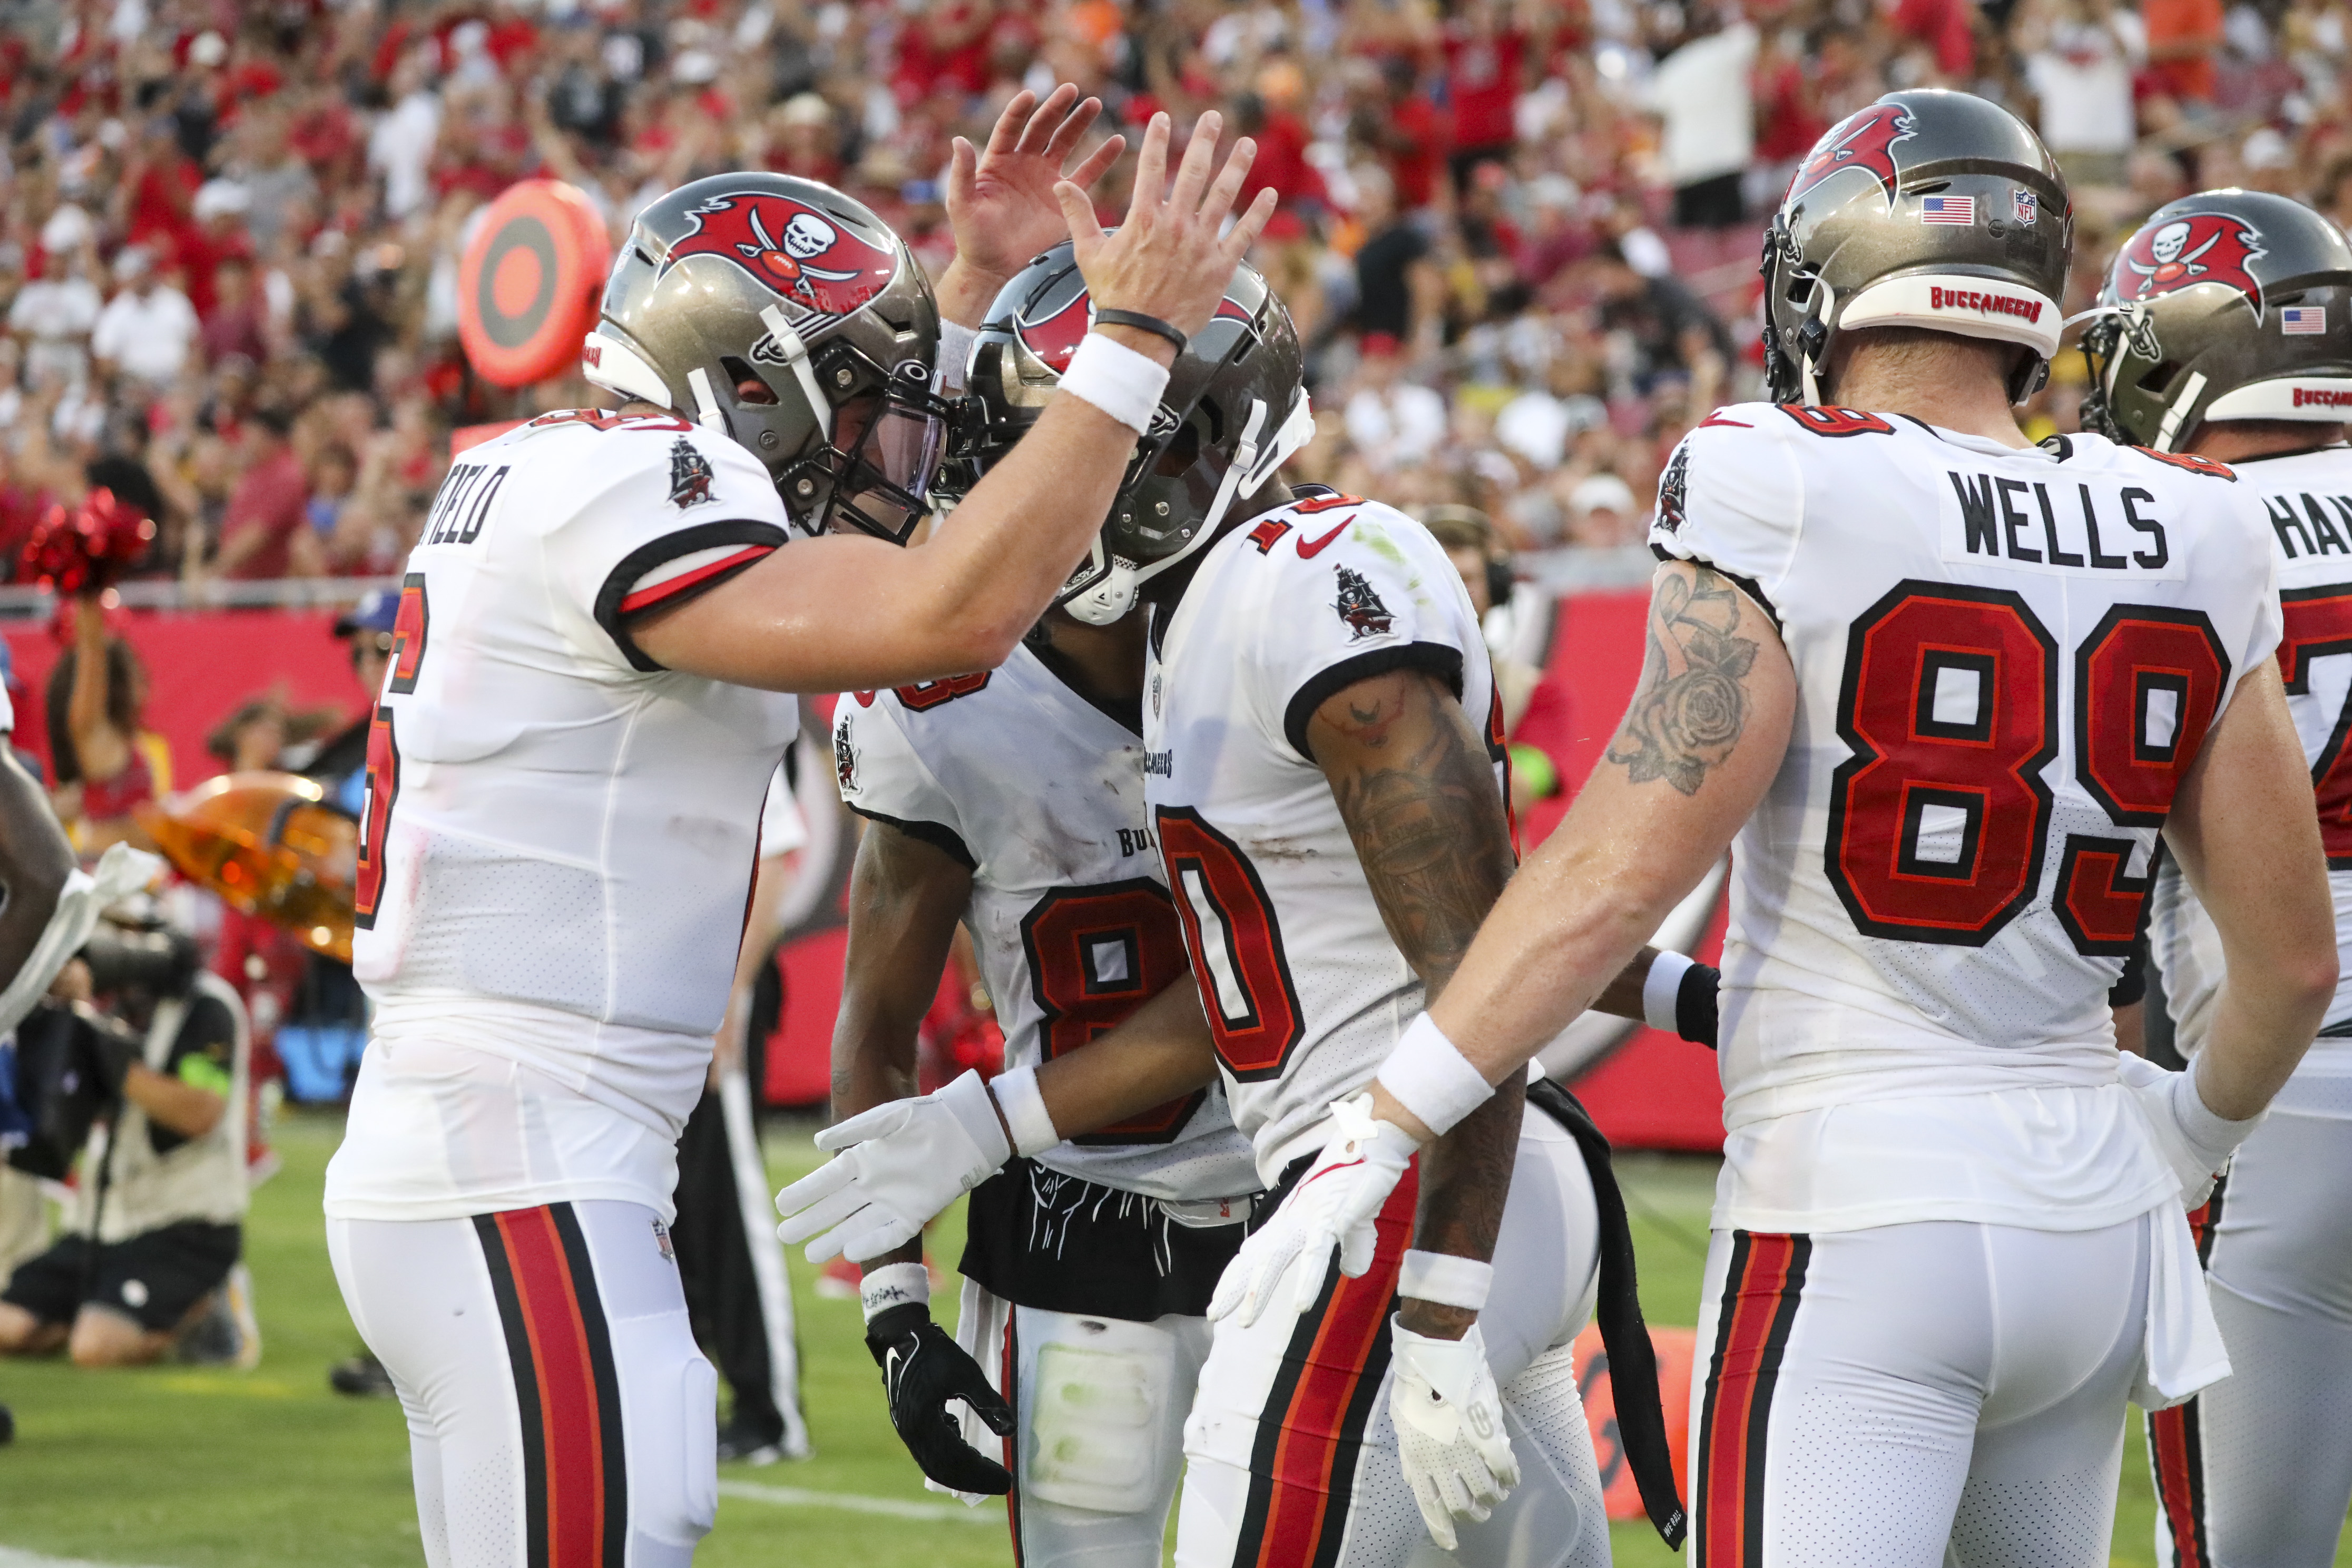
x,y
1024,1105
1117,380
1427,1076
1662,988
893,1285
1448,1280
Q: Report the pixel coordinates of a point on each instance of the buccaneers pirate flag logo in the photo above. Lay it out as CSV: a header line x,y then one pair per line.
x,y
1864,141
2203,247
810,258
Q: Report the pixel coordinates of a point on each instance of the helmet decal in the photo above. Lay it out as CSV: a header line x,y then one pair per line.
x,y
809,258
1863,141
2201,247
1057,337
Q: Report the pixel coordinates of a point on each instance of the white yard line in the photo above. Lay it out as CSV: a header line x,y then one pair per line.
x,y
12,1558
792,1497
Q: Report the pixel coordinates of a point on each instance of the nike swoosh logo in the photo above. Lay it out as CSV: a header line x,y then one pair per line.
x,y
1309,549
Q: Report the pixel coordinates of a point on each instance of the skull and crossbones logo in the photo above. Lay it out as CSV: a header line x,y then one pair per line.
x,y
2199,248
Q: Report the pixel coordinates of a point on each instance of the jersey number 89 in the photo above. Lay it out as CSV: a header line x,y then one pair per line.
x,y
1940,821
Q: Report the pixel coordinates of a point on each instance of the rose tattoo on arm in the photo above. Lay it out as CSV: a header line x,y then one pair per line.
x,y
1691,706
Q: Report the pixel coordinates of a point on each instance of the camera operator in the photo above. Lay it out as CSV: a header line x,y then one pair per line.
x,y
153,1256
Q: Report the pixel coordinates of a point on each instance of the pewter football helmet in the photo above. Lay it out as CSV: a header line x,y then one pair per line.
x,y
1929,209
766,281
2226,305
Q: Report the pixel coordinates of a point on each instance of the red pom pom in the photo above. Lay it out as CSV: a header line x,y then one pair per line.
x,y
85,551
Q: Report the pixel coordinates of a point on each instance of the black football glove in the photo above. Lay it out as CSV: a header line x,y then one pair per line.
x,y
1695,1001
923,1371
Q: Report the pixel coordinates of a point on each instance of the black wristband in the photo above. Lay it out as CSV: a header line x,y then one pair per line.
x,y
1141,323
1694,1005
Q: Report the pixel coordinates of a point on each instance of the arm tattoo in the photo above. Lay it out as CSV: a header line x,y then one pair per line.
x,y
1690,707
1466,1177
1428,826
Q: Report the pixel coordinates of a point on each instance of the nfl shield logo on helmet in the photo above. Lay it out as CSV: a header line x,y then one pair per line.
x,y
2026,205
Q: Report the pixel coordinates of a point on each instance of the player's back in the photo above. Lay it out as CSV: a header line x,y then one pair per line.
x,y
1305,989
2006,661
558,833
2306,500
1039,793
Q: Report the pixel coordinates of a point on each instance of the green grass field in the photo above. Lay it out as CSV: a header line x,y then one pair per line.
x,y
178,1467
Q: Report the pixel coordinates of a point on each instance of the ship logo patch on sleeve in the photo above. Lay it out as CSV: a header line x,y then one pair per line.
x,y
1359,606
845,757
691,475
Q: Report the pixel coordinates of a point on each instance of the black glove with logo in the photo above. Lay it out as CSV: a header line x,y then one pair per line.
x,y
923,1371
1694,1005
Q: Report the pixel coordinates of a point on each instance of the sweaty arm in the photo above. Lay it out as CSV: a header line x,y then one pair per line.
x,y
2247,838
1696,749
906,895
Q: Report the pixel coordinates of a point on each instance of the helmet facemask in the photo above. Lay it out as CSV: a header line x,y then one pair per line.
x,y
882,436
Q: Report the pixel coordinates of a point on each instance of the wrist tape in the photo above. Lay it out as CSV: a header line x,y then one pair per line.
x,y
1024,1105
1445,1279
1117,380
893,1285
1429,1077
1662,989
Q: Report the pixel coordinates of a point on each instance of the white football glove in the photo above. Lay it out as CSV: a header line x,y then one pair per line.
x,y
1334,1204
900,1165
2194,1141
1449,1425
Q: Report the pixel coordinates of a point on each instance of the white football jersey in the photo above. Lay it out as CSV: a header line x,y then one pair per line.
x,y
2005,662
559,835
1040,793
1304,987
2307,500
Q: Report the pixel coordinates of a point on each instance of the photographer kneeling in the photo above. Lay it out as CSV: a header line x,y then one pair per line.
x,y
161,1196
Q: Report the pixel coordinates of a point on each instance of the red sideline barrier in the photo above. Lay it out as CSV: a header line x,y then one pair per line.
x,y
200,666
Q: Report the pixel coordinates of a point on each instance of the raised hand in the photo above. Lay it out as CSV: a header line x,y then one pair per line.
x,y
1168,259
1001,201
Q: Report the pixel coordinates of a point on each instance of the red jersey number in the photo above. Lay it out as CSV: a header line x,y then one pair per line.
x,y
1237,946
408,633
1940,821
1096,955
2318,624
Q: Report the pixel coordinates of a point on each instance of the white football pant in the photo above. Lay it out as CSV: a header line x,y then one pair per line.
x,y
559,1414
2256,1471
1291,1460
1873,1398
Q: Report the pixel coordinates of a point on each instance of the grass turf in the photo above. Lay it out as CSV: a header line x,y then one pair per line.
x,y
197,1469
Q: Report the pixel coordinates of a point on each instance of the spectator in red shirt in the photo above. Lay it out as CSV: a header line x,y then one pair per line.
x,y
1947,27
266,532
1484,70
1282,139
2182,37
234,325
1409,131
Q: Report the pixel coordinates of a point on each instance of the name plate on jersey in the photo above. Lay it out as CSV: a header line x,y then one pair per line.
x,y
2057,526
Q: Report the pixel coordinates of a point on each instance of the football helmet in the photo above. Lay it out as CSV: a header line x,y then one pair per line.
x,y
1236,408
770,282
2226,305
1930,208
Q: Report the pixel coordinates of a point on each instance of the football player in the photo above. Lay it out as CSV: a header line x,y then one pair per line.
x,y
1945,687
1330,822
2227,332
583,706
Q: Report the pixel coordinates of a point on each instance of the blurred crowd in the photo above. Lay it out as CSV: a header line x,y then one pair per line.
x,y
1519,237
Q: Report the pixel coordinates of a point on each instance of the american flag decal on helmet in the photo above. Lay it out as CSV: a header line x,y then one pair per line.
x,y
1948,209
2303,320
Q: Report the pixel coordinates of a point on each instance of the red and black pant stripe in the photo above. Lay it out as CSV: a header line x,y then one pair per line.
x,y
575,1451
1761,1290
1311,1432
1009,1383
2176,1438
